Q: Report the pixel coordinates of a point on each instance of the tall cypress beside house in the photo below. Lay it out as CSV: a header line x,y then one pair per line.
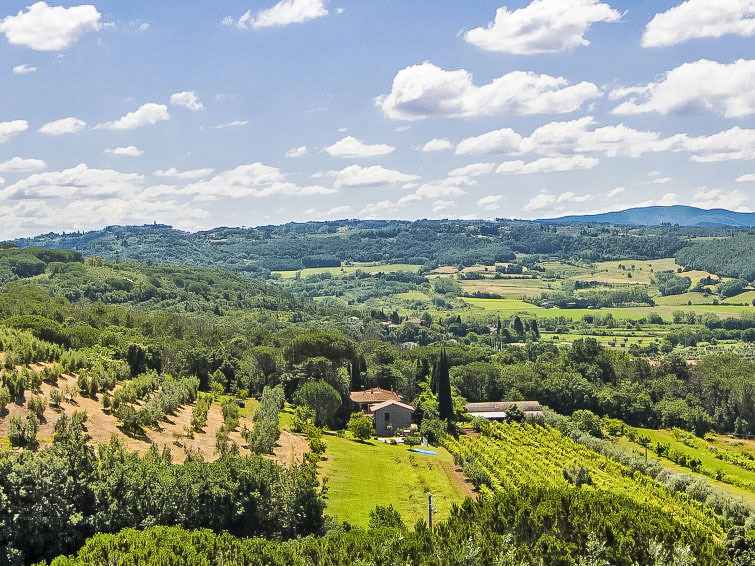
x,y
445,405
434,378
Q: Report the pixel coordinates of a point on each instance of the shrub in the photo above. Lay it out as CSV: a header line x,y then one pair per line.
x,y
360,426
37,406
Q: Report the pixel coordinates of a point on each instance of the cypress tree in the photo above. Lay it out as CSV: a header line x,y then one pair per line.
x,y
445,404
434,378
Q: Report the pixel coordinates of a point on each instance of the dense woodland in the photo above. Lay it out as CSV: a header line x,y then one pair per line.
x,y
314,244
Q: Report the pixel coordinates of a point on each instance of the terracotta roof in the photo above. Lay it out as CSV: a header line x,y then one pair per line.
x,y
385,404
374,395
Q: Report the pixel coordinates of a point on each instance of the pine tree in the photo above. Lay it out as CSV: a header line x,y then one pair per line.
x,y
445,404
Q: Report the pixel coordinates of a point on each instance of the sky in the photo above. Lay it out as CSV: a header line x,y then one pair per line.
x,y
241,113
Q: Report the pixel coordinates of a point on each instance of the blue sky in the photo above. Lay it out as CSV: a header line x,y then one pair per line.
x,y
203,114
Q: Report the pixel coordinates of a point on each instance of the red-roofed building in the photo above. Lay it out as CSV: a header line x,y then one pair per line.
x,y
364,399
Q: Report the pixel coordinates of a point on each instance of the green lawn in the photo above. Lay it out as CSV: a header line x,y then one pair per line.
x,y
361,475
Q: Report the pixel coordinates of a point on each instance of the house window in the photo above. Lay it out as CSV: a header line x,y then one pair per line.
x,y
387,417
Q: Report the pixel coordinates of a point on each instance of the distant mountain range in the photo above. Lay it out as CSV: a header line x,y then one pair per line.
x,y
657,215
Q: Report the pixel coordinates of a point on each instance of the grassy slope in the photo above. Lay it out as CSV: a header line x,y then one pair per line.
x,y
708,460
362,475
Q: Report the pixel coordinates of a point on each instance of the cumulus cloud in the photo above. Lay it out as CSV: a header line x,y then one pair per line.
x,y
449,187
339,210
233,124
490,202
614,192
381,209
50,28
581,136
374,176
68,125
544,26
437,144
284,13
504,140
541,200
294,152
252,180
21,165
569,196
661,180
716,198
189,174
699,86
548,165
350,147
76,182
187,99
440,205
695,19
427,91
748,178
147,114
23,69
11,129
472,170
669,199
128,151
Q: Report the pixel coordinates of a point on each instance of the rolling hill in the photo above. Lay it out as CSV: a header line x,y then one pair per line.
x,y
657,215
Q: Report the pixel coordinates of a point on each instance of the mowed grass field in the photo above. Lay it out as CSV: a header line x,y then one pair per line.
x,y
360,475
511,306
349,269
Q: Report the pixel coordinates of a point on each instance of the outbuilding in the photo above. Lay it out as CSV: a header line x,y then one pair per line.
x,y
391,417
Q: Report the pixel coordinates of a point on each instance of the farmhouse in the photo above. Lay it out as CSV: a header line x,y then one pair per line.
x,y
497,410
364,399
391,416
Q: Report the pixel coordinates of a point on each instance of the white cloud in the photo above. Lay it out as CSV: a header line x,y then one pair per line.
x,y
720,88
437,144
12,128
541,200
661,180
252,180
449,187
748,178
472,170
716,198
76,182
233,124
283,13
700,18
381,209
128,151
440,205
350,147
2,181
504,140
427,91
374,176
732,144
614,192
490,202
548,165
146,114
189,174
23,69
569,196
187,99
21,165
68,125
544,26
339,210
48,28
669,199
294,152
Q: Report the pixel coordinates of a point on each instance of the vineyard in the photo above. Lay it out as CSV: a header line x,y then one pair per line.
x,y
509,457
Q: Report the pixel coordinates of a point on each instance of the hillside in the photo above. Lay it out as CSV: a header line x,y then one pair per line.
x,y
658,215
